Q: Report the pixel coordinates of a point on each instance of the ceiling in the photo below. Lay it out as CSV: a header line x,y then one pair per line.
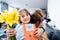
x,y
27,3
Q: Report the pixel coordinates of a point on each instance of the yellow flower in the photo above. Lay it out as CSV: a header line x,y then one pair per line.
x,y
12,17
9,18
1,19
4,14
14,13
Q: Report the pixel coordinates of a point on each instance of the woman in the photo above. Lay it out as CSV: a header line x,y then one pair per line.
x,y
38,18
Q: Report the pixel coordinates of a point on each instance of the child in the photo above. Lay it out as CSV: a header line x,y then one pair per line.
x,y
24,18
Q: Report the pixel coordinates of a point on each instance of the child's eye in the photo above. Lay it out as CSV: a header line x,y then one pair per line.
x,y
27,15
22,16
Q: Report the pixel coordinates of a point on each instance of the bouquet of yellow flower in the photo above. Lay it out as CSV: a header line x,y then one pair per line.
x,y
9,18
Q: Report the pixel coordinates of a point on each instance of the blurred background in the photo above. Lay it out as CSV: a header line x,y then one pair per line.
x,y
8,4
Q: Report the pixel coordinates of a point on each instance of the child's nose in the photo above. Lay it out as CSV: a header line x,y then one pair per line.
x,y
25,17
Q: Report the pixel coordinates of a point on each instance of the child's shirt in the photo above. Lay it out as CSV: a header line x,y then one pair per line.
x,y
19,32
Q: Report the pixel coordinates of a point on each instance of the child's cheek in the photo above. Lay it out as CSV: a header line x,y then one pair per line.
x,y
21,20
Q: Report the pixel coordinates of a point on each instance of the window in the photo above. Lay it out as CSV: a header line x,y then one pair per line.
x,y
3,5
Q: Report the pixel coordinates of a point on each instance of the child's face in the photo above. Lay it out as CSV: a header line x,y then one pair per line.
x,y
25,17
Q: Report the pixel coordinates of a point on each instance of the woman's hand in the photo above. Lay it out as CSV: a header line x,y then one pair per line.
x,y
38,32
10,32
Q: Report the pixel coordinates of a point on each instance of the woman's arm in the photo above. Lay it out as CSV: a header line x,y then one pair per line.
x,y
39,31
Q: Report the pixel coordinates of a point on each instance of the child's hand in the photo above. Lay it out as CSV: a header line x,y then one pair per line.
x,y
38,32
11,32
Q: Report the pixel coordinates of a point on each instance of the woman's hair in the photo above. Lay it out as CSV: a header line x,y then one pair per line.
x,y
27,12
37,17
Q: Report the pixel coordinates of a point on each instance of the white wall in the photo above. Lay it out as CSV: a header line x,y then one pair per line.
x,y
30,4
31,10
54,11
27,3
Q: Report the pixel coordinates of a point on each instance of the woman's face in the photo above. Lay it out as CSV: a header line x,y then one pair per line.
x,y
25,17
